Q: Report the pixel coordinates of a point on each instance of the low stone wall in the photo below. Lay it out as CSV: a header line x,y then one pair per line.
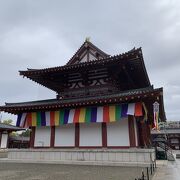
x,y
86,156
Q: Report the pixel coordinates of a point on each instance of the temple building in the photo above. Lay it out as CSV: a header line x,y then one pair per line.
x,y
102,101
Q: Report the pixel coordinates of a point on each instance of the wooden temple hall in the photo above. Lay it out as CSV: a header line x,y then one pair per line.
x,y
102,101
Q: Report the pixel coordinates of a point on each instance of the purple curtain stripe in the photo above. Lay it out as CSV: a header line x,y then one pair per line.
x,y
66,116
18,120
93,114
124,110
43,119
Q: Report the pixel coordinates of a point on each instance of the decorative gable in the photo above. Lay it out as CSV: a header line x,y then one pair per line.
x,y
87,52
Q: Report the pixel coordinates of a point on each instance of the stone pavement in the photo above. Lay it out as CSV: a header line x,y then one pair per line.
x,y
168,170
39,171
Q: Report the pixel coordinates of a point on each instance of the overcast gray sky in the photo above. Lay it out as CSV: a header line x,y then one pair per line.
x,y
46,33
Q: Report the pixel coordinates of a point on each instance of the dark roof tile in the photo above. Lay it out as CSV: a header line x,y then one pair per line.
x,y
9,127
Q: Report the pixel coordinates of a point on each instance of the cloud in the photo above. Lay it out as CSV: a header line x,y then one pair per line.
x,y
43,33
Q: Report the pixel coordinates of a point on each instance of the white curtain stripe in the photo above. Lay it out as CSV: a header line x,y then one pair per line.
x,y
131,109
100,114
47,118
23,117
71,116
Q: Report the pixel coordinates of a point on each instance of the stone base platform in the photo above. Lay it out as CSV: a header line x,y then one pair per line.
x,y
3,153
121,157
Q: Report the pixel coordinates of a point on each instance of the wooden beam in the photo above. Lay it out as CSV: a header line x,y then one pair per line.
x,y
87,54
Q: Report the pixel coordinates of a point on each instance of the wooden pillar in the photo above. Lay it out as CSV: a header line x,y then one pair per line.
x,y
32,137
137,132
140,134
77,135
104,135
0,138
88,55
132,138
144,134
148,134
52,136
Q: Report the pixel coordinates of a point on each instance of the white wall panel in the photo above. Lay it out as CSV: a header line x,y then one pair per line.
x,y
91,134
118,133
91,57
4,139
42,136
65,135
84,59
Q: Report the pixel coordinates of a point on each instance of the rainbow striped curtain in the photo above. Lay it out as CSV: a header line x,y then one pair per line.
x,y
109,113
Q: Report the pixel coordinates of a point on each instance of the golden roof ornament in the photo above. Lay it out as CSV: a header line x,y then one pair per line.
x,y
87,39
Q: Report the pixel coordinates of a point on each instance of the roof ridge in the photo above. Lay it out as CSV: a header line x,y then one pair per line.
x,y
85,42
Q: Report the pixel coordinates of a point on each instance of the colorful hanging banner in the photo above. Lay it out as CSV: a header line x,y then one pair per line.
x,y
145,112
156,115
109,113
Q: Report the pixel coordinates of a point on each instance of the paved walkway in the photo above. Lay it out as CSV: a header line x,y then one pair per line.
x,y
168,170
31,171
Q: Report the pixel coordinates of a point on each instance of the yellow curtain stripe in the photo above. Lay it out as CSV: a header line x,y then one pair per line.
x,y
56,116
112,110
82,115
34,119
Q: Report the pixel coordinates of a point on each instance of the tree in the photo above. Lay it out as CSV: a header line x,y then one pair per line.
x,y
26,133
14,134
7,121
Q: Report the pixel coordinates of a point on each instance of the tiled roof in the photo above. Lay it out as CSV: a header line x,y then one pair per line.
x,y
9,127
52,101
57,103
108,59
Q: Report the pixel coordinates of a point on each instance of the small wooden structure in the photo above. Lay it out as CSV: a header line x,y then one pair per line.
x,y
5,130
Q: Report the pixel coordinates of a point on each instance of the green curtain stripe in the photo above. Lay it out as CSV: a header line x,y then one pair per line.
x,y
38,115
61,117
118,112
88,115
